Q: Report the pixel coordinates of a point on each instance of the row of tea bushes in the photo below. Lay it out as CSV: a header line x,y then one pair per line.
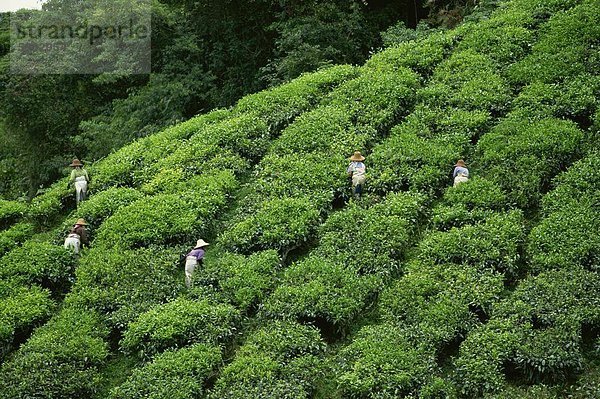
x,y
60,360
174,374
359,248
494,244
180,323
169,217
22,307
468,204
279,360
244,280
522,157
41,263
14,236
565,237
536,332
122,284
11,212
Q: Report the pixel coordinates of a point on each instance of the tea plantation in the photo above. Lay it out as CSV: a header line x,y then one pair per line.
x,y
490,289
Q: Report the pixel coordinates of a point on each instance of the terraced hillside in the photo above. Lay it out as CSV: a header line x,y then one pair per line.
x,y
490,289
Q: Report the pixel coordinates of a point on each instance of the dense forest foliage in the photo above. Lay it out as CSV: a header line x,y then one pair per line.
x,y
489,289
204,55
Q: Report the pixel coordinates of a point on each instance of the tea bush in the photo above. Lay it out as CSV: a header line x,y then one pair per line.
x,y
382,362
179,323
567,47
374,240
470,202
578,98
119,168
180,374
122,284
45,207
537,330
458,125
565,239
61,360
21,309
422,56
580,184
280,105
494,244
284,341
536,101
522,157
273,363
326,129
10,212
225,143
277,224
102,205
405,161
575,98
245,280
316,178
503,41
188,161
15,236
452,124
42,263
246,134
468,80
440,303
168,218
257,377
377,99
477,193
154,220
482,354
317,288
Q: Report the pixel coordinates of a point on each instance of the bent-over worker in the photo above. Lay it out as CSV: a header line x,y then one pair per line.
x,y
193,259
461,173
78,237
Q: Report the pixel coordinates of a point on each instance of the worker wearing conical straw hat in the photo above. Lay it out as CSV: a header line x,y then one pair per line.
x,y
357,172
78,237
80,178
193,259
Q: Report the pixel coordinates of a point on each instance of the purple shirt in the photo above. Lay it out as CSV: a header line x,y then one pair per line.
x,y
197,253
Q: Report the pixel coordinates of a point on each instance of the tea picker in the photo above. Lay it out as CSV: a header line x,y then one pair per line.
x,y
80,178
78,237
357,172
193,259
461,173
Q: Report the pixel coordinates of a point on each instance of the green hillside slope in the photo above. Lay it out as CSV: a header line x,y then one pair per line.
x,y
490,289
